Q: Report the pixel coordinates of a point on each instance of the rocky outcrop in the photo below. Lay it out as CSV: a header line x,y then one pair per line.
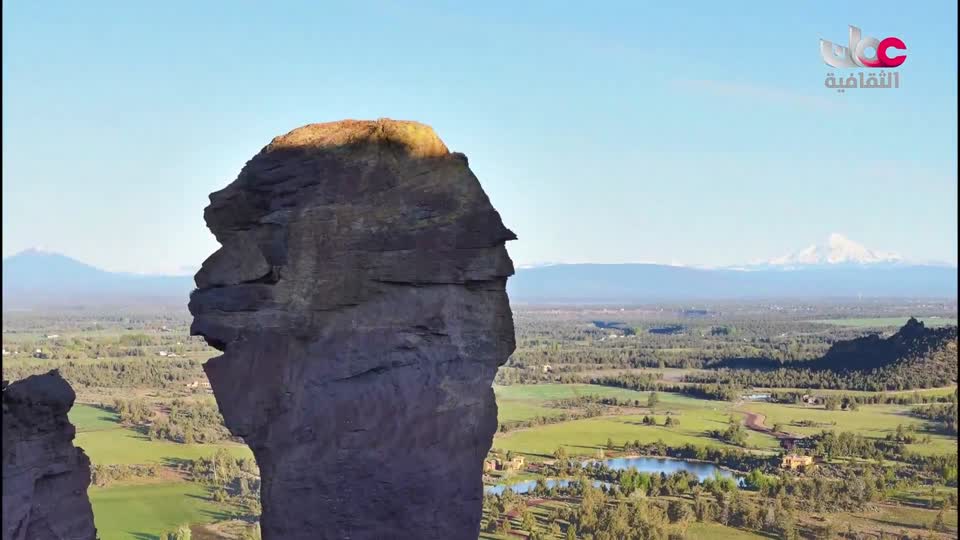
x,y
913,342
359,299
45,477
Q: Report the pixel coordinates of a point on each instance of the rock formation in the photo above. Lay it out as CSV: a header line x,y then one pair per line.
x,y
45,477
359,299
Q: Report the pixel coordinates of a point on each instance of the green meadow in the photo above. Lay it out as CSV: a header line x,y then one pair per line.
x,y
586,436
144,511
107,442
696,418
89,418
876,421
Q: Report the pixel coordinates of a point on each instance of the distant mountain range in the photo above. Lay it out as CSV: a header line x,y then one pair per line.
x,y
576,283
37,278
841,270
838,268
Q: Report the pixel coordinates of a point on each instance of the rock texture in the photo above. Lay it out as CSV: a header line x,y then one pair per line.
x,y
45,477
359,299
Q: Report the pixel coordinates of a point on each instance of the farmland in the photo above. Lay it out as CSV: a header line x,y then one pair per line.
x,y
566,391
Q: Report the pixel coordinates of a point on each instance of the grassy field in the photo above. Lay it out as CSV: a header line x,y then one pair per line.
x,y
510,410
88,418
143,512
875,421
886,322
107,442
697,417
585,436
525,401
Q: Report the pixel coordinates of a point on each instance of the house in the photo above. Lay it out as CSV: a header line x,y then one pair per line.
x,y
758,397
198,384
491,465
809,400
794,461
546,368
514,464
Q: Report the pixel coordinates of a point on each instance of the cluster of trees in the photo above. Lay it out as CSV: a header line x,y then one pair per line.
x,y
914,357
829,445
943,416
906,435
877,398
190,422
104,475
635,505
710,391
232,480
943,468
153,372
132,411
182,421
652,382
590,399
609,513
897,377
938,469
640,382
734,434
181,533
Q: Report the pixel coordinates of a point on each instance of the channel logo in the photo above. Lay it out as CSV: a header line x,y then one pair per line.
x,y
887,53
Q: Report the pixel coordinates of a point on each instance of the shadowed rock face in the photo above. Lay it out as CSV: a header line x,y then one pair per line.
x,y
359,299
45,477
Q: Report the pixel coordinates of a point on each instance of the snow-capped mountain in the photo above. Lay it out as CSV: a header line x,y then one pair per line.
x,y
838,249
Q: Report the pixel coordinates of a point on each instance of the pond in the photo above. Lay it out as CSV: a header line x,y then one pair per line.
x,y
651,465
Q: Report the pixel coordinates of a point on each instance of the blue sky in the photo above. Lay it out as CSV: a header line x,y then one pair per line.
x,y
603,132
